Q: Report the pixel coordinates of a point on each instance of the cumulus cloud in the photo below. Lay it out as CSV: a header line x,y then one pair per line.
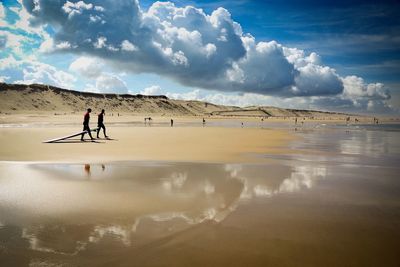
x,y
151,90
342,102
128,46
37,72
93,68
197,49
87,66
111,83
72,9
9,62
355,87
317,80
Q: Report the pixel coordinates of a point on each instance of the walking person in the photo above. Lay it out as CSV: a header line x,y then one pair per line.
x,y
86,127
100,124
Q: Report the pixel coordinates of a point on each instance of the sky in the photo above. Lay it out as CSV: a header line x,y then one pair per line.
x,y
328,55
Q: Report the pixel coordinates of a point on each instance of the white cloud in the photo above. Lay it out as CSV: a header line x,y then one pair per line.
x,y
23,23
73,9
87,66
95,18
99,8
14,42
299,58
317,80
63,45
376,103
128,46
355,87
36,4
47,46
151,90
109,83
9,62
100,43
94,68
3,79
37,72
263,69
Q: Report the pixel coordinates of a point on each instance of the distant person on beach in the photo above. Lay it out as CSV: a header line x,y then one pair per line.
x,y
86,127
147,119
172,122
100,124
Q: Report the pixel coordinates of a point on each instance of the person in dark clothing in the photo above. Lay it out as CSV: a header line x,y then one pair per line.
x,y
86,127
100,124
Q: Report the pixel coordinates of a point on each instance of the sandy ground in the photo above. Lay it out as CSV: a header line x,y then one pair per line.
x,y
190,195
234,139
152,143
296,210
22,140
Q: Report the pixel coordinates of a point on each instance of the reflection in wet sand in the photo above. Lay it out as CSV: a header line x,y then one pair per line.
x,y
132,203
87,170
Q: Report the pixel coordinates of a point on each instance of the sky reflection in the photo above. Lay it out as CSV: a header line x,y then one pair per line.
x,y
132,203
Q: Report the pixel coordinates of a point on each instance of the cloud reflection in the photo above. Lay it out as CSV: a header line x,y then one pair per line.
x,y
134,204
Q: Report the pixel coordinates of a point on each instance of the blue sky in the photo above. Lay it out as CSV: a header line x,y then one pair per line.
x,y
332,55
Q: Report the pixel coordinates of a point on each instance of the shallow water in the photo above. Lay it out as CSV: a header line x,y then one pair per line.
x,y
335,202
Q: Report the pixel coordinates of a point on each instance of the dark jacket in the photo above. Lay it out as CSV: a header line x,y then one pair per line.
x,y
86,118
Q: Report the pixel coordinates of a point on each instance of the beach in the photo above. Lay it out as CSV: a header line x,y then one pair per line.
x,y
131,139
199,133
263,194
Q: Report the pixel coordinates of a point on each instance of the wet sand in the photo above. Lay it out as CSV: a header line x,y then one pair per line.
x,y
209,144
334,202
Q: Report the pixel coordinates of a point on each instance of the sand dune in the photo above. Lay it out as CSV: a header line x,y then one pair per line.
x,y
15,98
35,97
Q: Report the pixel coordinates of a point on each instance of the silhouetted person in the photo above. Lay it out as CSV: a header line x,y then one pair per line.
x,y
172,122
100,124
86,127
